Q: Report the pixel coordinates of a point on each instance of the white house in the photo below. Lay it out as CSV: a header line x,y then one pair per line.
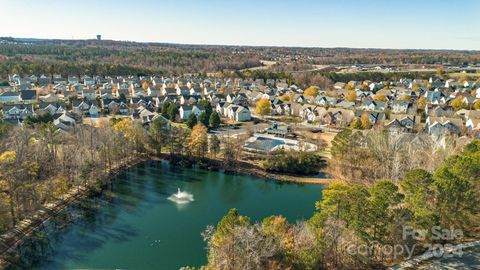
x,y
186,110
238,113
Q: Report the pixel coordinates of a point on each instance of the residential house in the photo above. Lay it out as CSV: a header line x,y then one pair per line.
x,y
65,122
52,108
80,106
10,96
145,101
154,91
216,98
401,123
57,79
337,117
435,82
326,101
115,106
89,94
373,117
339,85
439,126
88,81
123,92
345,104
278,130
208,90
471,119
85,107
138,92
44,80
145,115
73,80
238,113
169,91
186,110
299,98
400,106
220,107
122,86
189,100
375,86
435,97
373,105
438,111
183,91
17,111
312,113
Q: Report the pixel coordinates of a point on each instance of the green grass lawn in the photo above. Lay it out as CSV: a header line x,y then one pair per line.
x,y
460,74
179,125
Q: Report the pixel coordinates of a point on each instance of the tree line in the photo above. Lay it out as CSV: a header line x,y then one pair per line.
x,y
84,58
366,156
181,59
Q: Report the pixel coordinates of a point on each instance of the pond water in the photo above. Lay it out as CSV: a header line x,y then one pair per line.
x,y
135,225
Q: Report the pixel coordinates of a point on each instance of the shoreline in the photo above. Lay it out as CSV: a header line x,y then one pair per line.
x,y
248,168
16,236
285,177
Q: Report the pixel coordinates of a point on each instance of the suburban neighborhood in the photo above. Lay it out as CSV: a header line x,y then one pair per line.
x,y
435,106
246,135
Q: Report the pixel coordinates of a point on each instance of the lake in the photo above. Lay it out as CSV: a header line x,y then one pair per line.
x,y
134,225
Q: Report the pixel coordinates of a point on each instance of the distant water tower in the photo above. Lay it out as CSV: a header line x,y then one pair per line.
x,y
99,37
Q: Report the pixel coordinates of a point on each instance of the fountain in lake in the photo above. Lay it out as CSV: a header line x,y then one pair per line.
x,y
181,197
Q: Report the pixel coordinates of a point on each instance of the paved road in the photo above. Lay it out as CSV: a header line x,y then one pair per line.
x,y
469,260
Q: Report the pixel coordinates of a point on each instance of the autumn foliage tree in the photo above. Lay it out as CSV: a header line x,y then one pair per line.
x,y
198,141
380,97
311,91
356,123
476,105
145,85
263,107
351,96
405,97
458,103
421,103
132,132
285,98
365,120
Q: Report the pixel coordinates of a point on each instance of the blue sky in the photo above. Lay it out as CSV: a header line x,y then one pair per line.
x,y
445,24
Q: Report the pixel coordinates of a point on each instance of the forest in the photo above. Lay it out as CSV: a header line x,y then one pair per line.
x,y
108,57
